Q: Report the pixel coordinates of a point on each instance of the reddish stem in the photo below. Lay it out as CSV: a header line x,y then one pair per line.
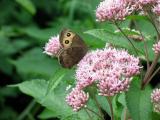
x,y
149,72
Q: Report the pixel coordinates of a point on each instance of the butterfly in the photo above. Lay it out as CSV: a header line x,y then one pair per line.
x,y
73,48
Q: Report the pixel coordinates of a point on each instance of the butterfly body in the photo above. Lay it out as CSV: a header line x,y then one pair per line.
x,y
73,48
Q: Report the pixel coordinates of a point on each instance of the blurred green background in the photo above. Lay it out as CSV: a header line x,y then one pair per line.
x,y
25,27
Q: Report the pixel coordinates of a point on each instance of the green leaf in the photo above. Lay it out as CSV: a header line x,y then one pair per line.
x,y
138,101
5,65
156,116
146,27
117,107
8,113
123,114
36,64
104,104
137,17
46,114
120,41
72,8
41,35
28,5
113,38
122,100
54,101
10,31
8,47
19,44
56,79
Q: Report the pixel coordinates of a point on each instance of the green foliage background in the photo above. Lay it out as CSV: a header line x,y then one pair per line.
x,y
25,27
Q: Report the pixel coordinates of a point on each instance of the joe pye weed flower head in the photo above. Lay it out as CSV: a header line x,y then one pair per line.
x,y
77,99
156,47
155,98
52,46
156,8
145,2
113,10
111,69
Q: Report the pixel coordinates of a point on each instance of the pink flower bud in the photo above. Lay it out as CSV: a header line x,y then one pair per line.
x,y
77,99
156,9
156,48
155,99
53,46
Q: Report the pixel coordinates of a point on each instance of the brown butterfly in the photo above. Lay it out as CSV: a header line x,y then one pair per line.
x,y
73,48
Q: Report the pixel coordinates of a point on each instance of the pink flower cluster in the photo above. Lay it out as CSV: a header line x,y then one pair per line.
x,y
146,2
113,10
154,5
110,68
156,9
118,9
77,99
85,73
155,98
156,48
53,46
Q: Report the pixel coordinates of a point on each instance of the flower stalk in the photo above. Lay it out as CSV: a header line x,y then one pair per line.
x,y
94,113
155,99
126,37
99,108
153,21
145,44
90,117
149,72
111,107
155,72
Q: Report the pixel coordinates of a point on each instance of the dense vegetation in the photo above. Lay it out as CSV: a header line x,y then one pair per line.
x,y
33,85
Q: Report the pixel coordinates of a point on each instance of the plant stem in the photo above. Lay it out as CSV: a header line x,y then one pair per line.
x,y
36,109
30,116
153,23
111,107
90,117
149,72
146,54
125,114
26,110
126,37
95,113
95,99
146,50
145,44
158,69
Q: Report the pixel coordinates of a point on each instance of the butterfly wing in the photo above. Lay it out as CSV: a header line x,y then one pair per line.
x,y
71,56
73,49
